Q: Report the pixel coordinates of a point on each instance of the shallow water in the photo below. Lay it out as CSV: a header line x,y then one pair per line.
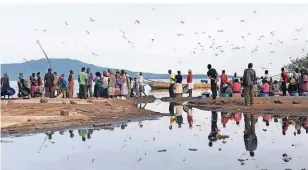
x,y
136,146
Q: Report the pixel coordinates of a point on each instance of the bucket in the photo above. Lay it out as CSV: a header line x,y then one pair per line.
x,y
294,94
225,95
263,95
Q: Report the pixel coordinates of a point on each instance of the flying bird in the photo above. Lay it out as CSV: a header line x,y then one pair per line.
x,y
220,31
248,33
264,68
196,33
242,20
66,23
203,33
45,31
179,35
294,39
153,9
216,54
87,32
272,33
95,54
63,42
269,63
255,12
92,20
298,30
272,51
35,29
303,49
153,39
122,31
137,22
182,22
243,37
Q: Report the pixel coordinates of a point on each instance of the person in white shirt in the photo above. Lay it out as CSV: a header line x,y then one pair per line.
x,y
140,84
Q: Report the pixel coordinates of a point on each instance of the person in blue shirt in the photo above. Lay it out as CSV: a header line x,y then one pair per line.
x,y
62,84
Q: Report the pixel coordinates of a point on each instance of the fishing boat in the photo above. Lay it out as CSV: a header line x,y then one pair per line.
x,y
157,85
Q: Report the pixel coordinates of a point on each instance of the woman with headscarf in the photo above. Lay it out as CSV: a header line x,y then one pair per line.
x,y
105,84
33,84
62,85
124,86
98,85
70,90
5,83
111,84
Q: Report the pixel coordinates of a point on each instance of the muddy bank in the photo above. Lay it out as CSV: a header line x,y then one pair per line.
x,y
296,105
46,114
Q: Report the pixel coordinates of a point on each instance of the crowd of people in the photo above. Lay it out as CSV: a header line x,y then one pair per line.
x,y
108,84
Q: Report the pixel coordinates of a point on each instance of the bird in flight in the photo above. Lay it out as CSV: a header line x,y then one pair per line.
x,y
87,32
303,49
63,42
137,22
66,23
179,35
294,39
264,68
92,20
220,31
269,63
122,31
153,39
153,9
306,41
95,54
272,51
298,30
182,22
243,37
272,33
255,12
203,33
209,36
196,33
45,31
248,33
242,20
216,54
35,29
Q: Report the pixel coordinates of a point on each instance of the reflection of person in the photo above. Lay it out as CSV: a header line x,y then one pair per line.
x,y
237,117
83,133
172,115
49,134
188,110
250,137
179,115
214,129
224,118
71,132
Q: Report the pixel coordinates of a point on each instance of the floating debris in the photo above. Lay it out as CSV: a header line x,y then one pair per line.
x,y
191,149
164,150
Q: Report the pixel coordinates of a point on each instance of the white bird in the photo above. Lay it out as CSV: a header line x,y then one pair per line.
x,y
87,32
182,22
137,22
243,37
45,31
92,20
255,12
122,31
153,9
35,29
220,31
153,39
242,20
63,42
66,23
272,51
303,49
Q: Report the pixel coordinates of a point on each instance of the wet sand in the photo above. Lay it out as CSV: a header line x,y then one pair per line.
x,y
34,114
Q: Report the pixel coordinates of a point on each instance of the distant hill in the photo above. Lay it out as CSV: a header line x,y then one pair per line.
x,y
62,66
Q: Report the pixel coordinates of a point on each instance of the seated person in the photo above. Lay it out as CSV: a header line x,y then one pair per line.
x,y
265,87
293,87
275,88
236,86
229,89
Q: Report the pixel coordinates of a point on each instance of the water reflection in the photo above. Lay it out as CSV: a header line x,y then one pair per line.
x,y
259,140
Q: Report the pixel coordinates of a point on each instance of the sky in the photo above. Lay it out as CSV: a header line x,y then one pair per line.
x,y
23,25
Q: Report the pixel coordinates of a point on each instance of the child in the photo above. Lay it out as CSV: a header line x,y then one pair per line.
x,y
265,86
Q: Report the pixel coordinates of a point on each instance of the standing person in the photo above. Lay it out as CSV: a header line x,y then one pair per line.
x,y
132,83
212,74
20,82
89,83
140,85
33,84
48,79
71,83
98,85
223,79
105,84
118,83
285,78
124,86
82,79
55,84
249,80
235,77
40,83
5,83
190,83
111,84
62,84
178,84
172,83
296,76
266,76
128,80
305,81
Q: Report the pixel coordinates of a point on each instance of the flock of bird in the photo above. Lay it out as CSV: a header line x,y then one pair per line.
x,y
217,48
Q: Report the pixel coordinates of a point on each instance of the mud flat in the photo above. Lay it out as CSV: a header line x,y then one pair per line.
x,y
24,116
276,105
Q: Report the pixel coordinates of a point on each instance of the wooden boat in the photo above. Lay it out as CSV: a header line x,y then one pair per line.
x,y
156,85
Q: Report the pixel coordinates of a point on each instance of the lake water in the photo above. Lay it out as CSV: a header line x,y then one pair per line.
x,y
159,144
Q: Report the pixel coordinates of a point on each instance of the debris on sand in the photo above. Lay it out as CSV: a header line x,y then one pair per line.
x,y
164,150
295,102
64,113
191,149
43,101
73,102
278,102
264,130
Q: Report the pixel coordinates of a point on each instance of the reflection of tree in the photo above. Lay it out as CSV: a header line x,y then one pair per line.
x,y
250,137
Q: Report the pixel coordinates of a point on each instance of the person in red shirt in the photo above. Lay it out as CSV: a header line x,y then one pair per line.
x,y
237,117
236,86
223,79
189,82
285,79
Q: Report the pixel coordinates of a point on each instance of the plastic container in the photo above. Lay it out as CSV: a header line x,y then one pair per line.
x,y
202,97
303,94
225,95
294,94
10,91
263,95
